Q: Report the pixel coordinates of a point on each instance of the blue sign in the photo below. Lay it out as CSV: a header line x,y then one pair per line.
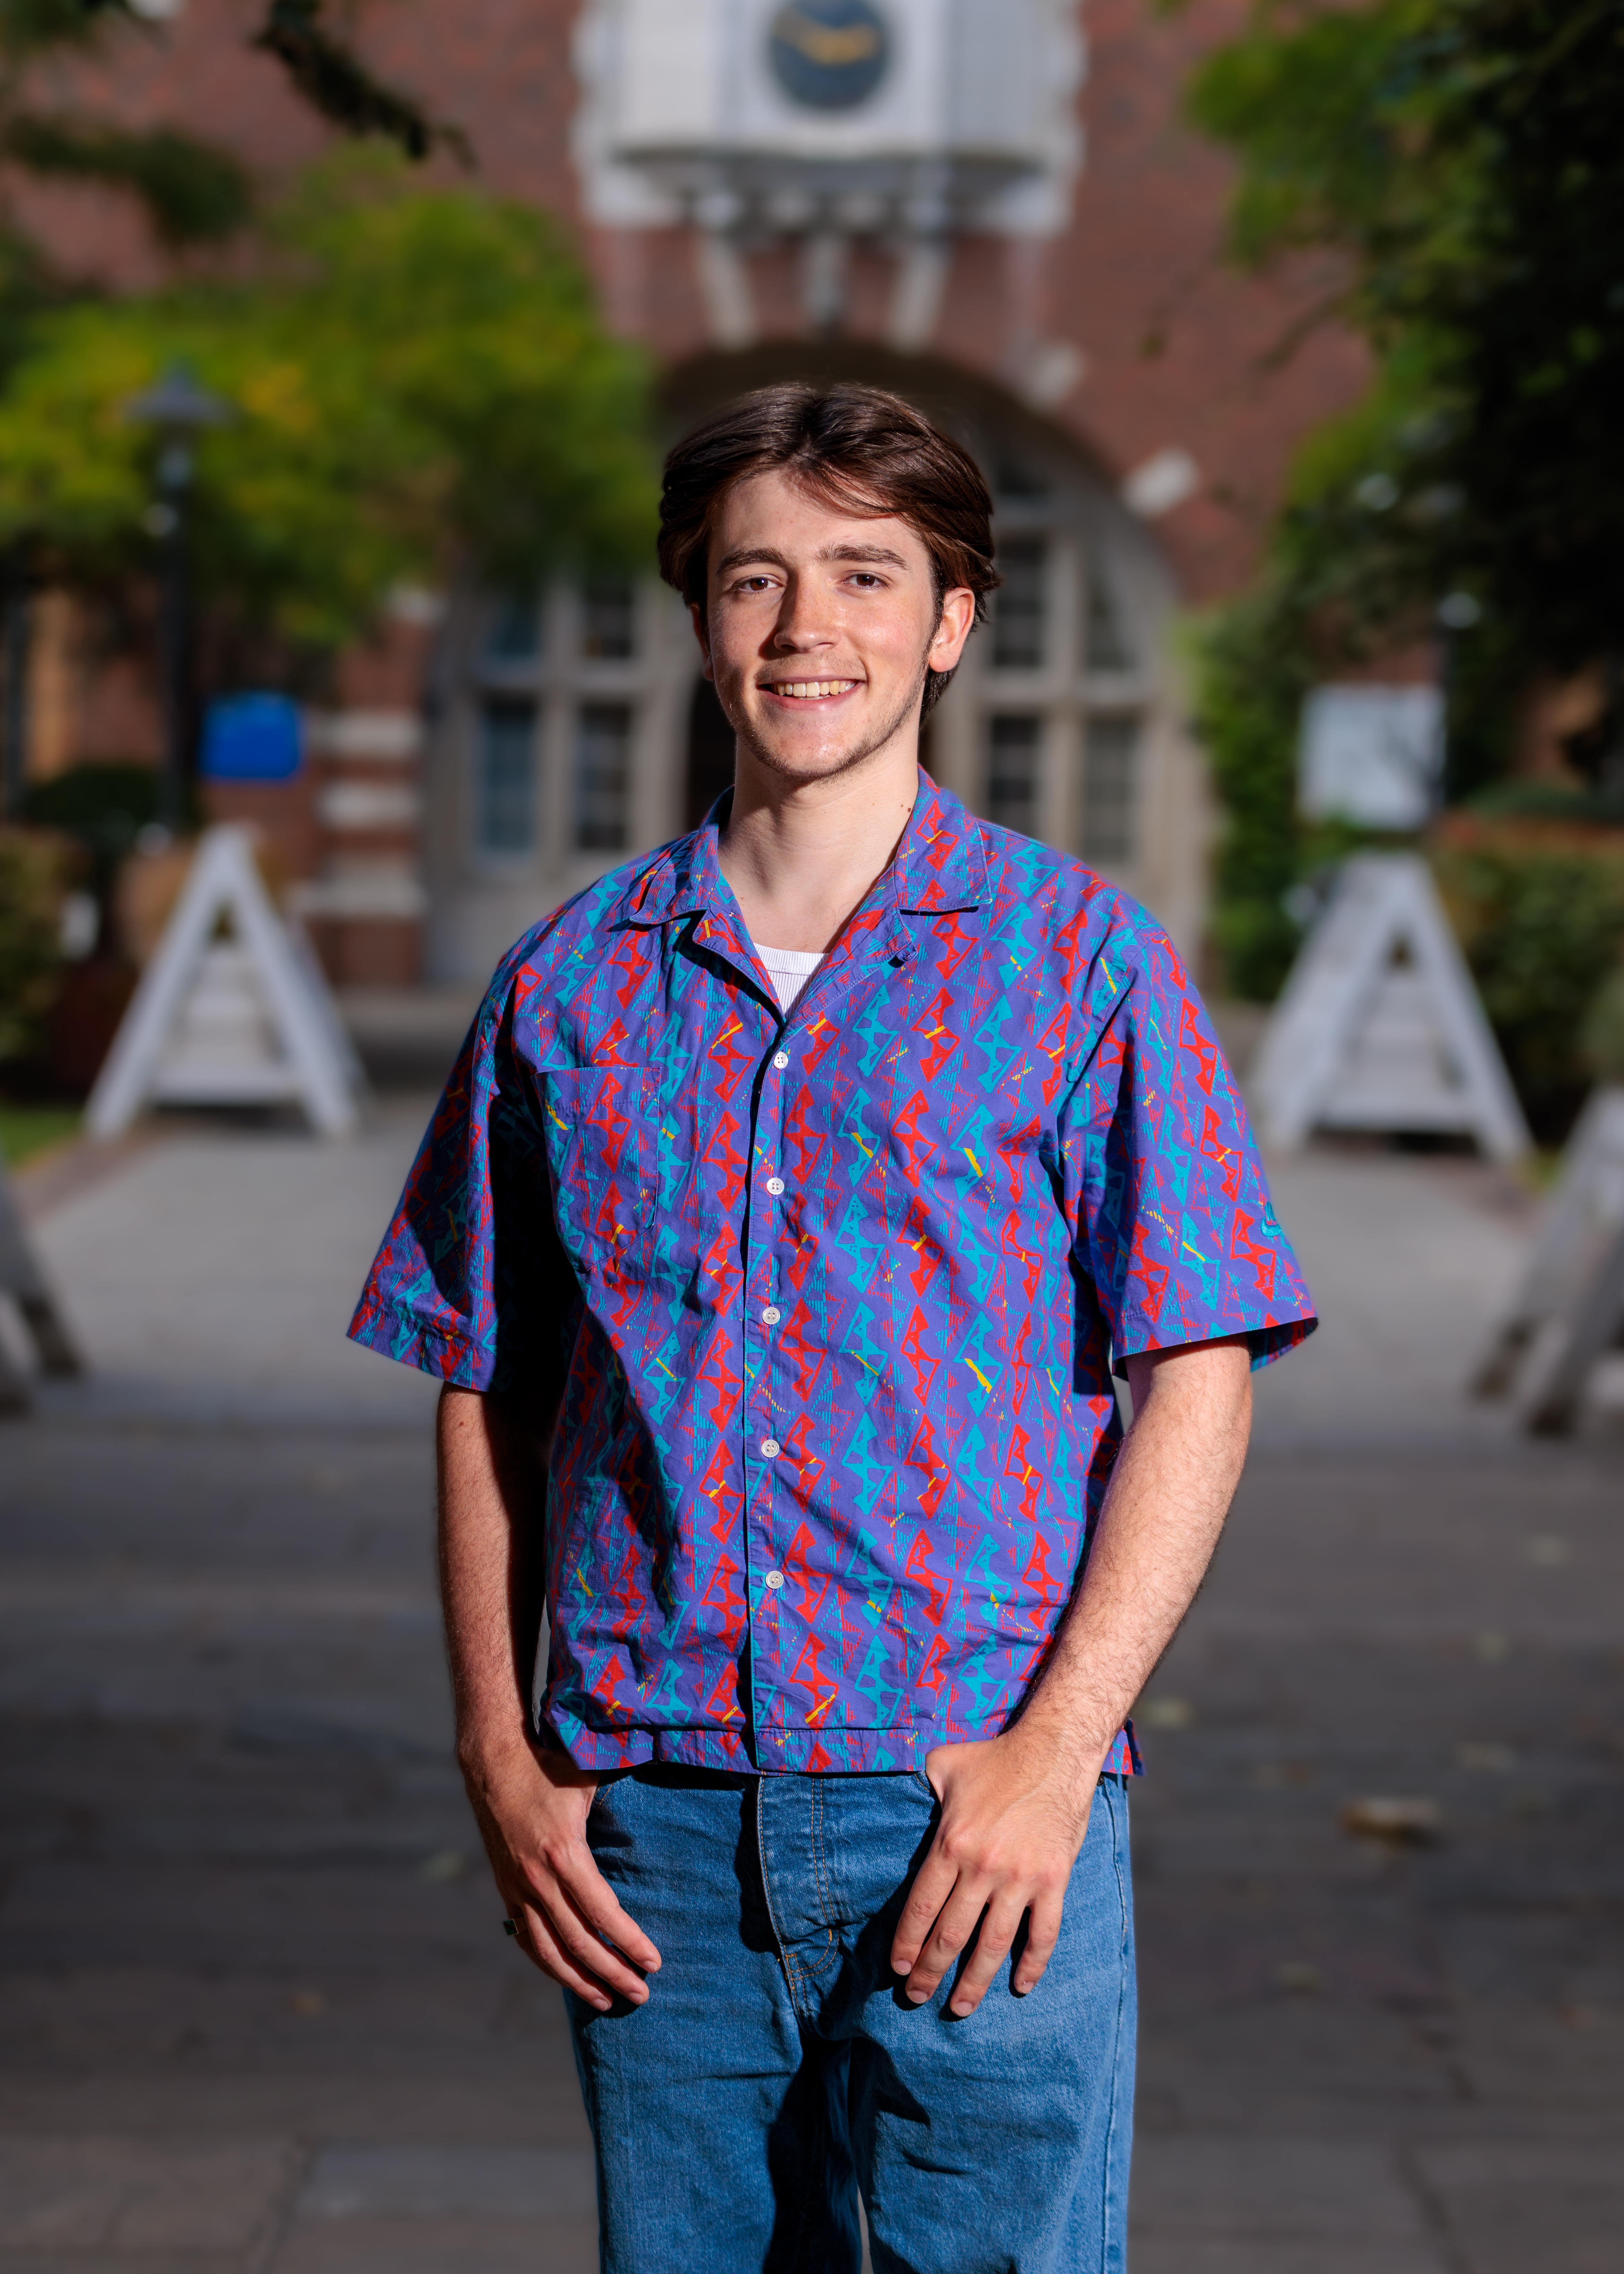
x,y
830,54
251,738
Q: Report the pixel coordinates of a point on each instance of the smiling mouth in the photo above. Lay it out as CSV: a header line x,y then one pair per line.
x,y
809,691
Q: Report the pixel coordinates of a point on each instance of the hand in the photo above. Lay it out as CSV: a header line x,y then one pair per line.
x,y
1014,1812
532,1808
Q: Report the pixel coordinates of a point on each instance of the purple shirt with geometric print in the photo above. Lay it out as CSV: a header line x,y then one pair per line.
x,y
832,1302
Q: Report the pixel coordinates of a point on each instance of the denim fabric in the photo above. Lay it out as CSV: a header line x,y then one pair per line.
x,y
777,2067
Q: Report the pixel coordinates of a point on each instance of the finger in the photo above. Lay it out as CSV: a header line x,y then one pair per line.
x,y
541,1946
997,1933
956,1924
598,1903
1042,1936
588,1951
573,1900
565,1945
933,1884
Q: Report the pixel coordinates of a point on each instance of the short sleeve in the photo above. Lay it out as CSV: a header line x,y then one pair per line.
x,y
471,1283
1170,1214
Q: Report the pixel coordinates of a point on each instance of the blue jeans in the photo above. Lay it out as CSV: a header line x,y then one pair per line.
x,y
777,2068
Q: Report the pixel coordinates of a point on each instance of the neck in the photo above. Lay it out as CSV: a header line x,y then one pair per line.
x,y
801,857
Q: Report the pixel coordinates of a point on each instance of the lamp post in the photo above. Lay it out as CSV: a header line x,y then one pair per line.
x,y
179,409
1458,614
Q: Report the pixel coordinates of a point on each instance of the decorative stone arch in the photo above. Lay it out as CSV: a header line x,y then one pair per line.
x,y
574,729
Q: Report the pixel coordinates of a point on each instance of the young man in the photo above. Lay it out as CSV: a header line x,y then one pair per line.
x,y
797,1190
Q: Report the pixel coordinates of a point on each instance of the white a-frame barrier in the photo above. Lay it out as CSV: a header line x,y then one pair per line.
x,y
1379,1028
22,1279
231,1009
1569,1310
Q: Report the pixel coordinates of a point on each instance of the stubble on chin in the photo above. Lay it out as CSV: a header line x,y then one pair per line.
x,y
863,747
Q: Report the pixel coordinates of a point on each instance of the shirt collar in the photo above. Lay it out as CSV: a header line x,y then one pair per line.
x,y
941,864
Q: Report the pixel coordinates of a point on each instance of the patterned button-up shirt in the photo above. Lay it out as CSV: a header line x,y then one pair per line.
x,y
831,1302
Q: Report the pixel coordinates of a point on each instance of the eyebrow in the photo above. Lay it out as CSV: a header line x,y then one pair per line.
x,y
881,555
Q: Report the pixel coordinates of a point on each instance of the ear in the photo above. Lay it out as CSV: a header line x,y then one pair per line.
x,y
701,633
953,629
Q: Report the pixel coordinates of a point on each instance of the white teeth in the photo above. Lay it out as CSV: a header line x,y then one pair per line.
x,y
805,690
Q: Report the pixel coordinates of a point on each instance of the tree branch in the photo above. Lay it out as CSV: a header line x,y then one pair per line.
x,y
195,192
333,81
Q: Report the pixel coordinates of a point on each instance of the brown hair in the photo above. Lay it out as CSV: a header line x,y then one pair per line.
x,y
857,447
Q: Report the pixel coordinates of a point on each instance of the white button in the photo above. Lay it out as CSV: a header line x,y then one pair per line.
x,y
772,1315
775,1579
780,1059
772,1447
775,1184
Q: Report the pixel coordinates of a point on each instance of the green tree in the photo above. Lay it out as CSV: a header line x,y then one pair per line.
x,y
32,879
1459,161
423,388
194,190
1463,158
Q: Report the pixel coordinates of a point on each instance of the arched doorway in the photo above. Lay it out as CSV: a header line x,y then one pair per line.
x,y
574,730
1066,719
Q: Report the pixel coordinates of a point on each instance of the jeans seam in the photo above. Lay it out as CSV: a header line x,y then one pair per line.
x,y
791,1970
1122,2000
819,1868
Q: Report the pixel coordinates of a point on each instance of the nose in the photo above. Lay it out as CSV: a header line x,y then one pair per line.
x,y
804,620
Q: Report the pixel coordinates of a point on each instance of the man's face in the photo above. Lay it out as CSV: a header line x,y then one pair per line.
x,y
820,626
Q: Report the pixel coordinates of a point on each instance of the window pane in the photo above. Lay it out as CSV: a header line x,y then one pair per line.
x,y
1108,789
508,777
1013,478
1105,637
603,777
608,625
513,629
1012,772
1021,605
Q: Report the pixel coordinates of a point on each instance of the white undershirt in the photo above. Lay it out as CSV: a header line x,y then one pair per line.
x,y
789,968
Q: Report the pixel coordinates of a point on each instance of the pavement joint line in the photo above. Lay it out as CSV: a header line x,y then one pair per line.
x,y
1433,2210
280,2216
56,1416
76,1166
214,1598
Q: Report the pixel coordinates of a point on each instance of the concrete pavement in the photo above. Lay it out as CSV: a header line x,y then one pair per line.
x,y
256,2013
1362,2056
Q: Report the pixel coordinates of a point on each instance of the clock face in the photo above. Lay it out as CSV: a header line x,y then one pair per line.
x,y
830,54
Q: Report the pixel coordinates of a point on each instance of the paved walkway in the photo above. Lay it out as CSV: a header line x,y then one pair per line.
x,y
255,2014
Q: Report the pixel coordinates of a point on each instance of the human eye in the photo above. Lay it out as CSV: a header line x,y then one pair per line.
x,y
868,580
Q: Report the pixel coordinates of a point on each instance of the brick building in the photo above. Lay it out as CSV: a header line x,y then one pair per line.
x,y
990,204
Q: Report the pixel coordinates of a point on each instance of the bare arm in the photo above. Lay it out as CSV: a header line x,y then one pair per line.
x,y
1015,1809
531,1805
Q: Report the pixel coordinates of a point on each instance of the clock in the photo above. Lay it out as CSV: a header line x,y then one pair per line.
x,y
830,54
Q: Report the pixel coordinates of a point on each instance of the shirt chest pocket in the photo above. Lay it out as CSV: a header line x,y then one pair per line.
x,y
601,1152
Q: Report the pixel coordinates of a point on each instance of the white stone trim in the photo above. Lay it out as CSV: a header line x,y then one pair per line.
x,y
352,805
385,736
363,891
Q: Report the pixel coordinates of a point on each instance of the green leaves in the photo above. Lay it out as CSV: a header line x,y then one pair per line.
x,y
1458,168
422,387
1463,159
194,193
1542,924
31,883
1323,113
